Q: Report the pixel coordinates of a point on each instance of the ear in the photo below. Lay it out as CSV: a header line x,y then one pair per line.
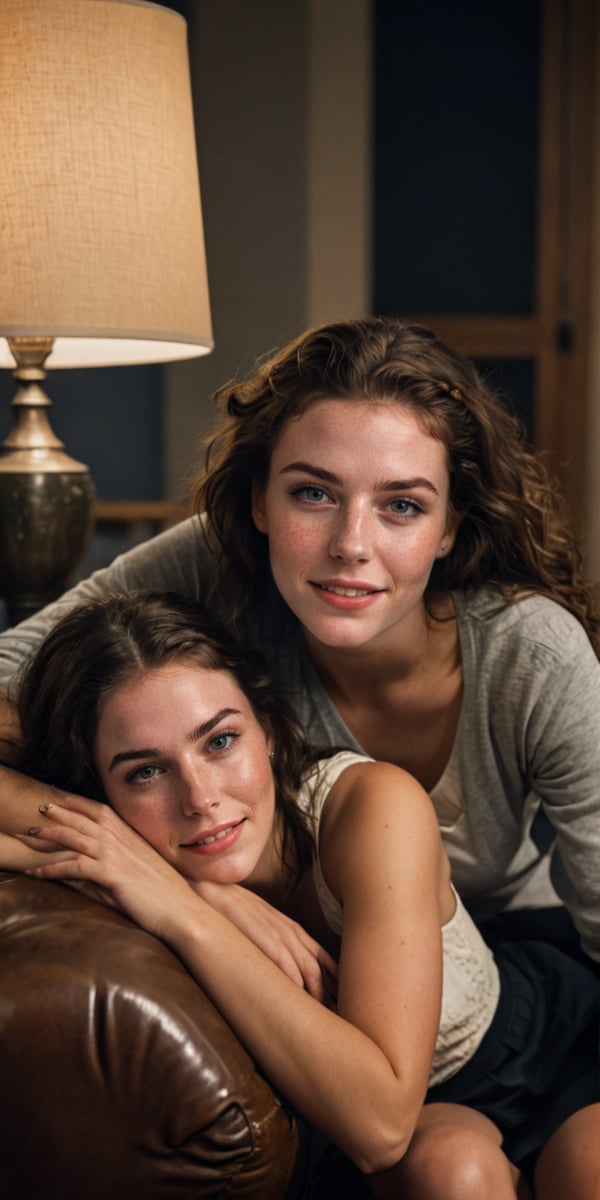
x,y
447,541
258,507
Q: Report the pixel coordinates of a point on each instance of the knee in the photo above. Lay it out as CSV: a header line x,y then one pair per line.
x,y
456,1164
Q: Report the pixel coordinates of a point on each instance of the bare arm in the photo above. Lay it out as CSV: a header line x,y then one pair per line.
x,y
20,801
20,796
383,857
284,941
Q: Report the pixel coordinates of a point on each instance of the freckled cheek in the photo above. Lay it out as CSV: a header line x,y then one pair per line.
x,y
254,785
412,556
292,543
148,819
418,565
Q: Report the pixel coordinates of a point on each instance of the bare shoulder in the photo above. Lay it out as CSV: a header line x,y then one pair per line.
x,y
374,787
375,812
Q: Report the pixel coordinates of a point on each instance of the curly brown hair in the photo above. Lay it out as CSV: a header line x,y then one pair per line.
x,y
103,643
511,528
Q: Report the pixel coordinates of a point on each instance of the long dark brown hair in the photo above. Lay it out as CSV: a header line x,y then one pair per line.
x,y
104,643
511,530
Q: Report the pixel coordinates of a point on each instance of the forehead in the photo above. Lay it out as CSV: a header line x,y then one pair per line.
x,y
360,428
179,683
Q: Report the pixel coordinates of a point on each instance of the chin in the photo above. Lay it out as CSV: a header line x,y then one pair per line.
x,y
346,637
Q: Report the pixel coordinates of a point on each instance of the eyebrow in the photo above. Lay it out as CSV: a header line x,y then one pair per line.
x,y
392,485
153,752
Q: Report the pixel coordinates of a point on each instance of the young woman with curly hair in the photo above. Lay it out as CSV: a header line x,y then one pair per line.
x,y
371,519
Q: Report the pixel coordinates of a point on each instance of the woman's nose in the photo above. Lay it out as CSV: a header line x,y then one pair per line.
x,y
351,535
196,793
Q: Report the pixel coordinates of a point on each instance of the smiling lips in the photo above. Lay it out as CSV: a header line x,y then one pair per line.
x,y
345,591
346,595
213,843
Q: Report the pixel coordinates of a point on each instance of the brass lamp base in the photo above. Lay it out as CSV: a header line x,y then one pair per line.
x,y
46,497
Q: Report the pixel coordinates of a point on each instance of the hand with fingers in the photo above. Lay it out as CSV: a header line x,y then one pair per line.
x,y
280,938
24,802
95,850
84,841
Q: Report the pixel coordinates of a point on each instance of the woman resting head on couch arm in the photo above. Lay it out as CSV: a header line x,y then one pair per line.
x,y
139,701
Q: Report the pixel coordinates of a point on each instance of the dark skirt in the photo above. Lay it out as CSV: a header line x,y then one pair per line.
x,y
537,1064
539,1060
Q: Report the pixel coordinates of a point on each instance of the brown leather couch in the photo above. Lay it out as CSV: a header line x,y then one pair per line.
x,y
119,1080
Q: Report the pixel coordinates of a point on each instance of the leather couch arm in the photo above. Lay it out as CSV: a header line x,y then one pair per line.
x,y
118,1077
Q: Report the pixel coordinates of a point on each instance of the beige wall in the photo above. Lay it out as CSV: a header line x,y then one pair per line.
x,y
282,117
339,160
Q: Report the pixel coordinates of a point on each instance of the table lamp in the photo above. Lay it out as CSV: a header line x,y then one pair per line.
x,y
101,244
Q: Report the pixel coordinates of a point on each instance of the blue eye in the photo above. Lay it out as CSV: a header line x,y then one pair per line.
x,y
405,508
222,741
141,774
311,493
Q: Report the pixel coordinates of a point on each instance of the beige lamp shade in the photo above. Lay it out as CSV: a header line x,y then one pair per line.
x,y
101,237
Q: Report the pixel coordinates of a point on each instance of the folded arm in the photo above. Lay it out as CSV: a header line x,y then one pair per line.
x,y
283,940
292,949
360,1074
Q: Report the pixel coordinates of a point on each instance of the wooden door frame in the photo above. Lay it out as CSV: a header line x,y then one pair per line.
x,y
556,335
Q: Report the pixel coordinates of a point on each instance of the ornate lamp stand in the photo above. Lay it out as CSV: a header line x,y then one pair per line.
x,y
46,497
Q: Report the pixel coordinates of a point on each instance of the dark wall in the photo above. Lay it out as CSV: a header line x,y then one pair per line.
x,y
456,114
109,418
456,131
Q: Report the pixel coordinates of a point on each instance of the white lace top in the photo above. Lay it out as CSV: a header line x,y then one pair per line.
x,y
471,985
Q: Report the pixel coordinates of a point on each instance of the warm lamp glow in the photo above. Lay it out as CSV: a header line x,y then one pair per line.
x,y
101,244
101,238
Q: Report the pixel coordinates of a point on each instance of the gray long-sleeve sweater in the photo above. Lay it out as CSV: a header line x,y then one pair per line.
x,y
527,745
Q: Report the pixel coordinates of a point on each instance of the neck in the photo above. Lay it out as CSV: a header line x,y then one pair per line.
x,y
417,645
